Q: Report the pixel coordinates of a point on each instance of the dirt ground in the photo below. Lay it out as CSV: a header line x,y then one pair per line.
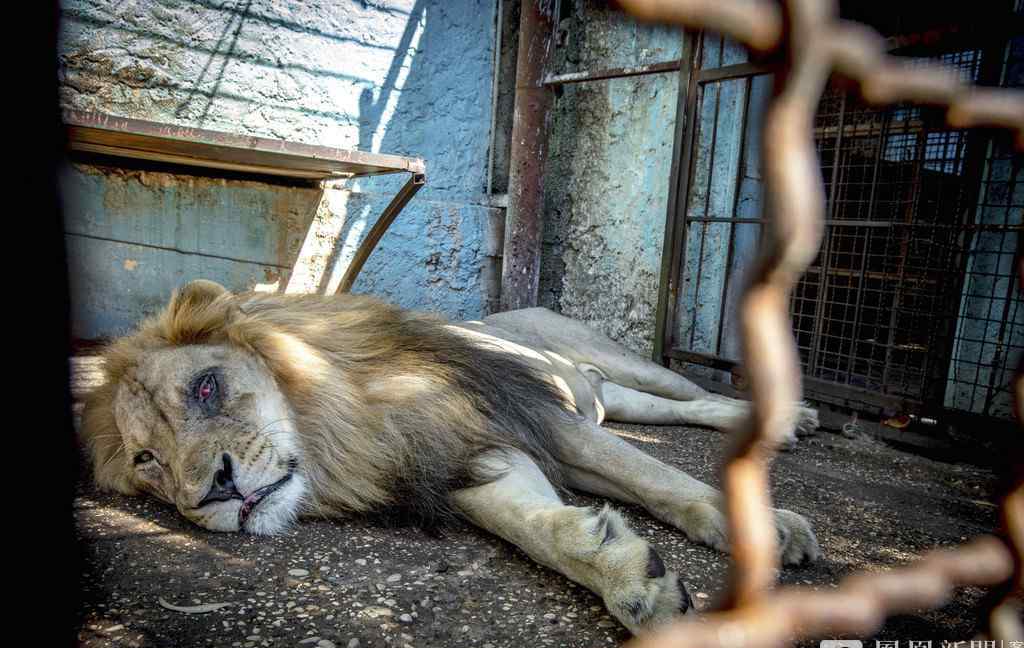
x,y
357,583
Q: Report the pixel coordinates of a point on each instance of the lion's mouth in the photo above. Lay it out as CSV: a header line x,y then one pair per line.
x,y
250,503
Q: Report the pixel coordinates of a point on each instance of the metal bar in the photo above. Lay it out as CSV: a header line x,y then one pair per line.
x,y
520,272
994,227
883,135
735,71
727,268
898,294
404,195
678,250
496,62
613,73
712,150
824,254
668,250
831,391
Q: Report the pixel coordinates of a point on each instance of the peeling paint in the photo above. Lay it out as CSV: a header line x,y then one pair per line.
x,y
349,74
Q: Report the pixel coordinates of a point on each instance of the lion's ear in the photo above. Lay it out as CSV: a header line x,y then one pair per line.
x,y
195,311
196,294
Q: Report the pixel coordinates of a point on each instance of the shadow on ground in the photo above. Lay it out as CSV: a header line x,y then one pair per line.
x,y
364,584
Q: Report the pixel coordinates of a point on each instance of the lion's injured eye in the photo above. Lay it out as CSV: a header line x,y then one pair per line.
x,y
205,392
143,457
206,389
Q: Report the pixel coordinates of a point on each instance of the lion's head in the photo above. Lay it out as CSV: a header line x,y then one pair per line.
x,y
199,423
245,411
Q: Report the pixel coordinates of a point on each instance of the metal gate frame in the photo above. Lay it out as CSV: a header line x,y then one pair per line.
x,y
693,81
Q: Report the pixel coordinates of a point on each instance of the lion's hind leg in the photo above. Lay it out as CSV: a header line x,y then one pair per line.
x,y
628,405
593,548
596,461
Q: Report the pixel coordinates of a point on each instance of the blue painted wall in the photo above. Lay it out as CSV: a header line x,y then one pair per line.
x,y
410,77
607,177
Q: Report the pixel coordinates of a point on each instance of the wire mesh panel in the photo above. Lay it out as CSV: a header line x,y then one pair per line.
x,y
911,300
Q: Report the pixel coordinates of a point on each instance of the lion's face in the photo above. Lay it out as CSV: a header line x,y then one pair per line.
x,y
206,428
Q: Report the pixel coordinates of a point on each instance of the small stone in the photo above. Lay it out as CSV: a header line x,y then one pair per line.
x,y
310,640
115,628
701,595
362,563
394,578
375,612
298,573
405,618
353,643
324,643
605,623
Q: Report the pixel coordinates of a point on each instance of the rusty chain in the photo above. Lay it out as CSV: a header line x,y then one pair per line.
x,y
814,43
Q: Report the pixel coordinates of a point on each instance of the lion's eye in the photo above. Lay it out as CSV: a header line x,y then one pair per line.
x,y
143,457
206,388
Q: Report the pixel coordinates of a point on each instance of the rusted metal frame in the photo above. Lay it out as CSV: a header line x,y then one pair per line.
x,y
496,62
404,195
979,147
669,249
135,138
825,254
1007,299
922,139
694,94
872,224
817,42
997,354
613,73
707,206
734,220
734,71
883,138
821,389
524,217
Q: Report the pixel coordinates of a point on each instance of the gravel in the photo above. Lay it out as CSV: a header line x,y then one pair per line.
x,y
360,584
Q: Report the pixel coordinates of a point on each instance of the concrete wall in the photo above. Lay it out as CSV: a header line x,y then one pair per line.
x,y
608,175
409,77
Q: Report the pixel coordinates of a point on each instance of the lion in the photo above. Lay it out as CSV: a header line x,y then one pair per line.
x,y
248,411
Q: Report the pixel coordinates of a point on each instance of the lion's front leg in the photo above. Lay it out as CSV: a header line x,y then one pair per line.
x,y
593,548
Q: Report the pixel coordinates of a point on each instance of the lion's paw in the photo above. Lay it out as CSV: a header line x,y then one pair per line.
x,y
705,524
637,588
651,599
806,420
797,542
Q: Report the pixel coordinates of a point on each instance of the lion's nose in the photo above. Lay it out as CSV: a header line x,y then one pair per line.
x,y
223,487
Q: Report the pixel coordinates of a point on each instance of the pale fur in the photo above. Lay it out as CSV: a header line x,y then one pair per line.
x,y
360,407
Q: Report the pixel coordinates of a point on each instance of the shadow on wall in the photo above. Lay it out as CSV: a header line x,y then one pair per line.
x,y
412,78
234,27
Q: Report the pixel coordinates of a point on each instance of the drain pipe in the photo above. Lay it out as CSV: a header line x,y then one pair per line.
x,y
524,219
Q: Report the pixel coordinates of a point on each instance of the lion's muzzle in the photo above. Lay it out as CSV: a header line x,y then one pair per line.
x,y
257,496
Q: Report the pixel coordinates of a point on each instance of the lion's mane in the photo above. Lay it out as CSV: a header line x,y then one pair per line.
x,y
392,407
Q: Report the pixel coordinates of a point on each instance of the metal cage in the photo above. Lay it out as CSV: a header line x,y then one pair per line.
x,y
911,303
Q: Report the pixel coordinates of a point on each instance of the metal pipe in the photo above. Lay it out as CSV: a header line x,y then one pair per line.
x,y
404,195
520,273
